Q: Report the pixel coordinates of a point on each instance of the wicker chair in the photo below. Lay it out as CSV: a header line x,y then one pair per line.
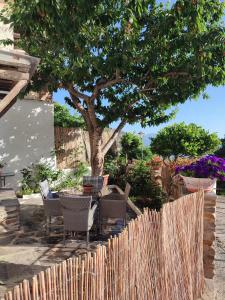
x,y
114,205
78,214
52,206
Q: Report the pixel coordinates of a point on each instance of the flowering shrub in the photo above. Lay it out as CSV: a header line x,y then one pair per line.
x,y
209,166
156,159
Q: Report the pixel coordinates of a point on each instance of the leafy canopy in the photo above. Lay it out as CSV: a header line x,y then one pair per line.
x,y
133,147
181,139
63,117
123,60
221,151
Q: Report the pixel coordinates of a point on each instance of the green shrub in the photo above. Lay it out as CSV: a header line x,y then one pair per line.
x,y
116,168
133,147
146,191
35,173
184,140
63,117
72,180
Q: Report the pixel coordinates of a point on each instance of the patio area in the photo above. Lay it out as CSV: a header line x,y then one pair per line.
x,y
29,250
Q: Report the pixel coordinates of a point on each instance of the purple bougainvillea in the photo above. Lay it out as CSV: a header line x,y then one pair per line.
x,y
209,166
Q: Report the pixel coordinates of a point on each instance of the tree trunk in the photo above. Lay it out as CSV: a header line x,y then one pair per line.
x,y
97,156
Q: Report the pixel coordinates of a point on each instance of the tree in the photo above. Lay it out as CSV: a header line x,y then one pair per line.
x,y
121,61
133,147
184,140
63,117
221,151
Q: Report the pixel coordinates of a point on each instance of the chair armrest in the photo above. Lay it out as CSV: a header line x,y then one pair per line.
x,y
91,216
93,209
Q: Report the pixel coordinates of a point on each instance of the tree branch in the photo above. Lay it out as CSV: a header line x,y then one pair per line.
x,y
105,85
113,137
76,93
91,112
175,74
76,104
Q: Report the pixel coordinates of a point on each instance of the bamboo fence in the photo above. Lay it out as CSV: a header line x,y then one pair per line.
x,y
158,256
71,146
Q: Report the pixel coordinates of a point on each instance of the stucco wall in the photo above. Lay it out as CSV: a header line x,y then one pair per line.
x,y
26,136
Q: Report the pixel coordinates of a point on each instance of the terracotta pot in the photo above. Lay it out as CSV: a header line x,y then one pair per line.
x,y
105,179
156,166
87,189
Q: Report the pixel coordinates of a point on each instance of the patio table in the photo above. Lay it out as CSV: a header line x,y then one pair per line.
x,y
76,192
3,176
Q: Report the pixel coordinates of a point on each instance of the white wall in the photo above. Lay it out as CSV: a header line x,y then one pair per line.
x,y
26,136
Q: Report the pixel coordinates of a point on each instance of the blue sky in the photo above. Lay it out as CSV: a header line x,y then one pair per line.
x,y
210,114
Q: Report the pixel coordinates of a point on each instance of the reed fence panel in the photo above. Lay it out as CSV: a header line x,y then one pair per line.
x,y
158,256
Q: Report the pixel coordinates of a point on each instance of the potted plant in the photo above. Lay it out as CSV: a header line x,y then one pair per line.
x,y
156,162
87,188
207,167
105,179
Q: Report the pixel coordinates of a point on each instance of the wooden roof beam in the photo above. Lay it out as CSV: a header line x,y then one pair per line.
x,y
10,99
13,75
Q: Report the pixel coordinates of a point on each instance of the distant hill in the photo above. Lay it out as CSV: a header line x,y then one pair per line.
x,y
147,138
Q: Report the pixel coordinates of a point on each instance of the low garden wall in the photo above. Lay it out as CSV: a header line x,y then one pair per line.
x,y
158,256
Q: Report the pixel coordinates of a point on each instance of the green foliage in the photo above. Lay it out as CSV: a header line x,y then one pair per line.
x,y
136,58
63,117
72,180
184,140
116,168
122,61
221,151
133,147
35,173
144,188
39,172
